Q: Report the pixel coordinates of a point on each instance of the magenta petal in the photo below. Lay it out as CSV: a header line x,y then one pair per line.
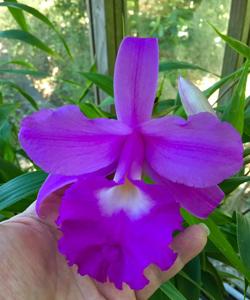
x,y
51,192
135,79
64,142
199,152
199,201
109,239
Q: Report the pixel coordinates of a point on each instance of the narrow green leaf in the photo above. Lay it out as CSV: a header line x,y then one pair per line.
x,y
227,275
18,16
247,124
107,101
171,291
5,111
19,63
72,82
197,285
23,72
210,285
85,91
38,15
20,187
221,243
103,82
246,152
245,288
243,237
88,85
232,183
166,66
212,282
193,270
30,99
92,111
237,45
163,107
234,112
217,85
28,38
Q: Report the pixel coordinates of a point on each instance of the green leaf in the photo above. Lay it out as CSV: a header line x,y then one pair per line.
x,y
30,99
212,282
38,15
217,85
166,66
211,285
237,45
243,237
196,284
92,111
221,243
171,291
23,72
227,275
5,215
20,187
18,16
107,101
234,112
19,63
28,38
163,107
103,82
232,183
247,124
193,270
5,111
8,170
159,295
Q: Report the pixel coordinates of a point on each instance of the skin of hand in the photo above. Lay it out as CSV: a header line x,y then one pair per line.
x,y
33,269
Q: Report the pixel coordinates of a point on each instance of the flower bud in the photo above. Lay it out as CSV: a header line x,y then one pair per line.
x,y
192,98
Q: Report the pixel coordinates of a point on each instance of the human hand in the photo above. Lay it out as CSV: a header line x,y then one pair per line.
x,y
32,268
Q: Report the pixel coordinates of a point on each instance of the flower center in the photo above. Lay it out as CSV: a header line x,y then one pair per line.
x,y
125,197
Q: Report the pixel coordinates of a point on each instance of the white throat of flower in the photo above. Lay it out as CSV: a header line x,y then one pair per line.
x,y
125,197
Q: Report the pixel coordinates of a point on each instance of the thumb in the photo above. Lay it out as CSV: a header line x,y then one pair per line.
x,y
187,244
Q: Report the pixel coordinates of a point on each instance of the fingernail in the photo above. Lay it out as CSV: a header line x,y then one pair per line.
x,y
205,228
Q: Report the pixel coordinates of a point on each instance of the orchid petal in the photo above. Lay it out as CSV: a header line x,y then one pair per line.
x,y
201,151
135,79
51,192
64,142
106,236
199,201
193,100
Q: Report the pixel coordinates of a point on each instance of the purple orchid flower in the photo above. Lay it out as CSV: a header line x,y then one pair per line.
x,y
112,229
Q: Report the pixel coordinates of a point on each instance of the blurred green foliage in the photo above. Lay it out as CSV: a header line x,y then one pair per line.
x,y
70,18
184,34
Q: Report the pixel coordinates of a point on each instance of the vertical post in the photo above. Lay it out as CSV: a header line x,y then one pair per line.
x,y
239,28
107,28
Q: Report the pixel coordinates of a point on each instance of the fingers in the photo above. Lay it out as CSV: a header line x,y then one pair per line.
x,y
109,291
187,244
